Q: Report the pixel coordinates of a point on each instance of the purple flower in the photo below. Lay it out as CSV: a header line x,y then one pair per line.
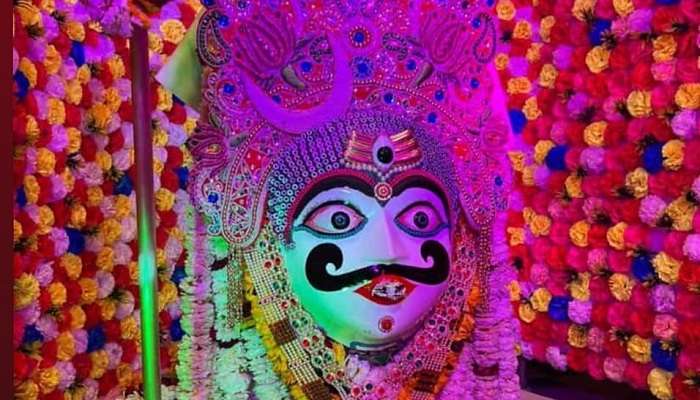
x,y
562,57
691,247
593,159
651,209
80,338
48,327
663,298
580,311
640,21
685,124
66,373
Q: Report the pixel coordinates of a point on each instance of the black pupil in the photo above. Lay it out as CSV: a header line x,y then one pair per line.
x,y
340,220
420,219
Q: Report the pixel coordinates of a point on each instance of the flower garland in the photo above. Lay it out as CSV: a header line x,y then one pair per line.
x,y
604,97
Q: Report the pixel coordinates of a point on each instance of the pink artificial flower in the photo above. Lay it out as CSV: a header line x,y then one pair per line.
x,y
580,311
596,338
614,368
114,354
555,358
685,124
663,298
80,338
597,259
640,20
125,306
664,71
60,240
58,188
592,159
48,327
66,374
105,284
55,87
652,208
44,274
691,247
665,326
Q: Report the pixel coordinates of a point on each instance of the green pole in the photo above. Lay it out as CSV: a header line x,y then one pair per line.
x,y
148,276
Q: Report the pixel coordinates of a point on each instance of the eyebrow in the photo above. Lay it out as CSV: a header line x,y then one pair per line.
x,y
340,181
419,181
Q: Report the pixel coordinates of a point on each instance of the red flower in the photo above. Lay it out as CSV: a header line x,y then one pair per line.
x,y
642,322
595,365
600,293
109,381
689,335
692,163
576,359
688,304
636,374
599,315
641,76
689,274
48,354
682,390
82,364
22,366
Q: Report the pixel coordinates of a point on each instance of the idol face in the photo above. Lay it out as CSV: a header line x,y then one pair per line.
x,y
369,271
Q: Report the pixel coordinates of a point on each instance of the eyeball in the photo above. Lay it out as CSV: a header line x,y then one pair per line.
x,y
420,219
334,219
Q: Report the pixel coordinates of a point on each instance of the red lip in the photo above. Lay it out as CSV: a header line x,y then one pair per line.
x,y
386,289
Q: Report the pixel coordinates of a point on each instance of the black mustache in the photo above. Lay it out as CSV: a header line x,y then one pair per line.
x,y
326,253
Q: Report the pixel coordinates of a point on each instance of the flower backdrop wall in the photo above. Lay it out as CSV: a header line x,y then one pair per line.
x,y
604,229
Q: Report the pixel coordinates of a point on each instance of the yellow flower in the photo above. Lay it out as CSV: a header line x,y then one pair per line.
x,y
84,74
26,290
52,60
124,375
167,294
129,328
639,349
580,287
517,160
65,346
45,161
597,59
103,160
546,25
155,43
581,8
95,195
75,31
637,182
160,137
122,206
111,230
177,233
578,233
573,186
67,178
594,134
48,379
99,115
517,236
623,7
88,295
133,271
540,299
616,236
501,61
158,167
160,258
659,382
165,99
29,71
529,175
526,313
530,109
664,48
577,336
56,111
164,199
548,75
666,267
116,67
32,128
621,286
72,264
191,123
688,96
173,31
673,154
74,140
29,14
112,99
78,214
100,360
639,103
681,212
540,225
74,93
542,147
31,189
522,30
105,259
519,85
46,220
77,317
505,9
57,293
107,309
514,290
16,230
533,52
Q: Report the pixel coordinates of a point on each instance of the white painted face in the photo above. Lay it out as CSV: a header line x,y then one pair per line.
x,y
368,273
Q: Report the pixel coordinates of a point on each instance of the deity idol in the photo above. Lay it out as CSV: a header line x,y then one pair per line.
x,y
348,185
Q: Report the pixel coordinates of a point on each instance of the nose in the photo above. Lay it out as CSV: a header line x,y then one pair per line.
x,y
384,245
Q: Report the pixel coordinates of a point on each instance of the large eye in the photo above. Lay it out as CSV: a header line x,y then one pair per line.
x,y
420,219
334,219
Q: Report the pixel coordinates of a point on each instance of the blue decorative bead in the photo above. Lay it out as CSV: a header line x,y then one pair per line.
x,y
124,186
411,65
182,175
517,120
489,2
306,66
388,98
559,308
476,22
663,358
31,335
176,332
363,69
208,3
556,158
276,98
499,181
439,95
96,339
223,21
22,84
358,37
76,241
229,88
432,117
77,53
667,2
474,83
213,198
642,269
21,197
178,274
652,158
